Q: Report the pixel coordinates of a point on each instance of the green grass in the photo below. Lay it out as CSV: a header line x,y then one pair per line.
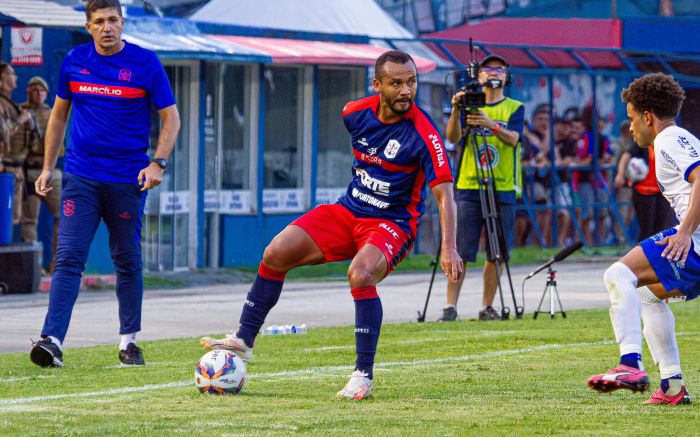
x,y
517,377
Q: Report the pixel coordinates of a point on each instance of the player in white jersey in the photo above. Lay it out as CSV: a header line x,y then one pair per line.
x,y
666,265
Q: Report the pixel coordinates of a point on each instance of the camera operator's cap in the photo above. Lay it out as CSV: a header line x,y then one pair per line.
x,y
494,58
37,80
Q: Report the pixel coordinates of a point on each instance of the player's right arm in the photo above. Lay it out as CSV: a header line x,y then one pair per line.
x,y
453,131
55,133
450,261
679,243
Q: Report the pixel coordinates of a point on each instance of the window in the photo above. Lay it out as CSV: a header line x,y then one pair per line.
x,y
286,138
336,87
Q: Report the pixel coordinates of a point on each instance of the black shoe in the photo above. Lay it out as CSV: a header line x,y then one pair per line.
x,y
132,355
45,353
449,314
489,313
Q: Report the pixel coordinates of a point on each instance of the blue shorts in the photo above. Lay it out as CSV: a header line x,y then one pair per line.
x,y
673,275
469,225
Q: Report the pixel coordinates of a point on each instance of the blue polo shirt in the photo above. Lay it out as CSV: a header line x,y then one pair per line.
x,y
111,98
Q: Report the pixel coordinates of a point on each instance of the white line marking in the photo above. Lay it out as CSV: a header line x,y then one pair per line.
x,y
24,378
325,369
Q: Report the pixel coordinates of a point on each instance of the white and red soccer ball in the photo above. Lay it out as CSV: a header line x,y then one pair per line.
x,y
220,372
637,169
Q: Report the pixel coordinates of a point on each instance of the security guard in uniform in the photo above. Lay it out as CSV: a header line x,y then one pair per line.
x,y
37,90
501,120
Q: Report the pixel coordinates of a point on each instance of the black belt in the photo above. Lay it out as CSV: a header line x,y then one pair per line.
x,y
15,164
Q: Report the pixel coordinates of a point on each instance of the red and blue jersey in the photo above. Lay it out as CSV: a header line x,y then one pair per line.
x,y
585,148
393,163
111,98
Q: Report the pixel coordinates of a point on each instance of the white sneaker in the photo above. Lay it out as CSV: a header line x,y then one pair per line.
x,y
229,343
359,387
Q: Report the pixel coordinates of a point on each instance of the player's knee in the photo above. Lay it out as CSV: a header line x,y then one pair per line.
x,y
127,265
361,277
616,275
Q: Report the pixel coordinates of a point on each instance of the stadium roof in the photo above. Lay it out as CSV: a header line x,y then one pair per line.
x,y
39,13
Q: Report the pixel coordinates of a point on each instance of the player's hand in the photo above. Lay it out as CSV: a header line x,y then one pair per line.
x,y
150,177
619,181
42,186
479,118
677,247
451,264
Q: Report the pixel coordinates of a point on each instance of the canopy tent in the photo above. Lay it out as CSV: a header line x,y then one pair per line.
x,y
551,42
330,20
294,51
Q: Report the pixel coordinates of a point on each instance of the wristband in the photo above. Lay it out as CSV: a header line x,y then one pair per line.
x,y
496,129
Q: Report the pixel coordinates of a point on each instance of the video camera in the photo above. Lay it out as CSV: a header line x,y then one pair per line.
x,y
473,97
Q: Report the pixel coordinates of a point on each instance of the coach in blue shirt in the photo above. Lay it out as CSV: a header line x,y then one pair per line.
x,y
110,85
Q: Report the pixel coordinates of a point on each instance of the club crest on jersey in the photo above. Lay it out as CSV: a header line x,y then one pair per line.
x,y
391,149
493,157
125,75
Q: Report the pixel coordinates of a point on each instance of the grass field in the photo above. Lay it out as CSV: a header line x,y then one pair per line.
x,y
517,377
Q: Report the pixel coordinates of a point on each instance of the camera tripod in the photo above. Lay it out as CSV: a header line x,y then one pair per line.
x,y
550,287
496,243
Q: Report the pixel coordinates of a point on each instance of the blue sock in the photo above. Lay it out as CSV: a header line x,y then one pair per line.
x,y
666,384
368,323
632,360
263,295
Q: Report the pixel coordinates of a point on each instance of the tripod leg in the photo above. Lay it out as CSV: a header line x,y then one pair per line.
x,y
544,293
552,313
563,314
421,317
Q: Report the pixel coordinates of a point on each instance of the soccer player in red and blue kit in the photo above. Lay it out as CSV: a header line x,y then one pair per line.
x,y
110,85
397,151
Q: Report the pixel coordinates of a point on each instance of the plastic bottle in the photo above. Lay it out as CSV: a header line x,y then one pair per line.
x,y
273,330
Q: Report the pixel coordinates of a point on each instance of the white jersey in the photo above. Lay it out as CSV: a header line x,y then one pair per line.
x,y
677,153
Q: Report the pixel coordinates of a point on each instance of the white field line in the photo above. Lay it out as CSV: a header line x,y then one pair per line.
x,y
418,340
24,378
313,370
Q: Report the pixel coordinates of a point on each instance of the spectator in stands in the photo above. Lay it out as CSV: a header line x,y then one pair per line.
x,y
565,152
654,213
37,90
590,185
623,188
539,139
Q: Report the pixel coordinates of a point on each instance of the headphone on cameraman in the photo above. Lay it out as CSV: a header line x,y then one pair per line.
x,y
508,80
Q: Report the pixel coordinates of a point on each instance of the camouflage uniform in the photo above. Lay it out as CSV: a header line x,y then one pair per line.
x,y
34,162
13,149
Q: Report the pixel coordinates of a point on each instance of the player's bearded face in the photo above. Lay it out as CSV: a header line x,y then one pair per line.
x,y
397,86
639,127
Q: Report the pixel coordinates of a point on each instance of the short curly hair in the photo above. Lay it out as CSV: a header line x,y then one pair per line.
x,y
657,93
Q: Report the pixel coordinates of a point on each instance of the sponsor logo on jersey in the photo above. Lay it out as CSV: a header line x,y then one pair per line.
x,y
106,90
371,159
391,149
488,158
390,230
439,150
363,141
369,199
84,71
362,330
378,186
372,151
670,160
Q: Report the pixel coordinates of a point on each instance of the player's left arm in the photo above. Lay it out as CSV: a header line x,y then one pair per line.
x,y
679,243
152,176
450,261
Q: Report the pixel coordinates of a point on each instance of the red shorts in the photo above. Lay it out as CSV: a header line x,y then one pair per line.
x,y
340,235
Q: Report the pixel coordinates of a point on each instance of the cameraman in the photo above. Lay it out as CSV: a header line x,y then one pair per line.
x,y
501,121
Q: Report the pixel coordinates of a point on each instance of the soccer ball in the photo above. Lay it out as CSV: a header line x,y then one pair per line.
x,y
637,169
220,372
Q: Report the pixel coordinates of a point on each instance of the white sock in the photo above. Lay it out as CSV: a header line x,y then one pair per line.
x,y
126,339
660,333
57,342
625,307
